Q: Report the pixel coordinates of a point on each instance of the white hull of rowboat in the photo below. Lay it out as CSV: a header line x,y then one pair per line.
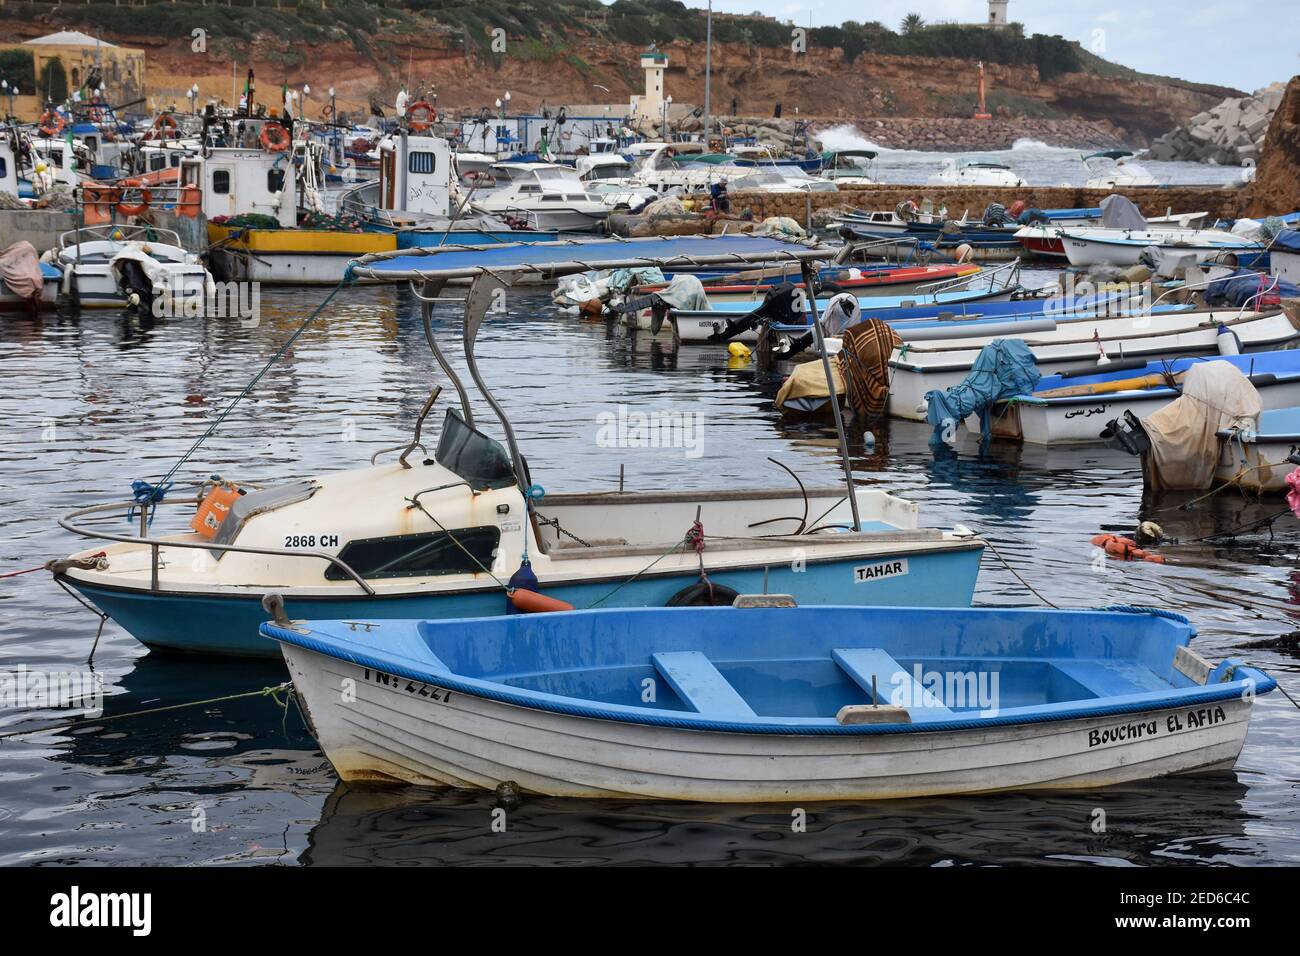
x,y
1080,421
430,736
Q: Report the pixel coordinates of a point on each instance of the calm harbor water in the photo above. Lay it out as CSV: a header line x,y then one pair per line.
x,y
91,402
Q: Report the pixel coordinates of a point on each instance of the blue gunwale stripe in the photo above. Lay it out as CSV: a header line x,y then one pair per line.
x,y
1258,681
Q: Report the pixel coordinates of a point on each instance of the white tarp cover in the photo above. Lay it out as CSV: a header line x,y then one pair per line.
x,y
20,270
1118,212
1184,441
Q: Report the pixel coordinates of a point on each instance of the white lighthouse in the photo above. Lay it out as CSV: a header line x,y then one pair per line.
x,y
651,104
998,13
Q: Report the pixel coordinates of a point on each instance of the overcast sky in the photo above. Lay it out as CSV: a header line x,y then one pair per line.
x,y
1245,46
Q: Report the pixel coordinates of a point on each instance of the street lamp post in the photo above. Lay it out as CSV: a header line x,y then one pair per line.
x,y
306,92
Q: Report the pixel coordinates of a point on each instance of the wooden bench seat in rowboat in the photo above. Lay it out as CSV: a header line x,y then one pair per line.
x,y
864,664
700,684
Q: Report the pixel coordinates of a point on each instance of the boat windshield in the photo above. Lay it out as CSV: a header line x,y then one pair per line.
x,y
480,460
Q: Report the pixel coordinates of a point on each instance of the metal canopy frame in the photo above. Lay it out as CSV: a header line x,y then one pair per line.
x,y
590,255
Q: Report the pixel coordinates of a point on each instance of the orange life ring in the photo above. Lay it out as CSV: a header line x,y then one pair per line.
x,y
326,111
52,123
157,132
190,203
274,138
419,126
134,209
100,200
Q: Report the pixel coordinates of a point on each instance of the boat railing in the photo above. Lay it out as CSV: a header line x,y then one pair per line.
x,y
1012,270
894,244
118,232
1207,282
71,522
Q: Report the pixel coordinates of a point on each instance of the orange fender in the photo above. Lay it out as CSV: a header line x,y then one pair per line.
x,y
530,602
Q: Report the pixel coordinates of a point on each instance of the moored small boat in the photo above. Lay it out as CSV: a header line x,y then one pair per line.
x,y
770,702
1075,409
1258,459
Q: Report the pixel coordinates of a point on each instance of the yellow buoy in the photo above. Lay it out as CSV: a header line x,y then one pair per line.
x,y
738,350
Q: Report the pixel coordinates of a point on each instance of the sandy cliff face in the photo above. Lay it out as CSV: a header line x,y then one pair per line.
x,y
1277,181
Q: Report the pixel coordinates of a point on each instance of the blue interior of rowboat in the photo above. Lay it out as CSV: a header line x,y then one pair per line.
x,y
790,670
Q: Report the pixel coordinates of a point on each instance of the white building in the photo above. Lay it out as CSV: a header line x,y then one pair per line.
x,y
651,104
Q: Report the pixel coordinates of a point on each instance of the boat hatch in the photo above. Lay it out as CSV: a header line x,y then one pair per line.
x,y
258,502
480,460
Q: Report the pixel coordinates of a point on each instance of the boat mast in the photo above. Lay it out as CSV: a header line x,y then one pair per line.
x,y
809,277
708,73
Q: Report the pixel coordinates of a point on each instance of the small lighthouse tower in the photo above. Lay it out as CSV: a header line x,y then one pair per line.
x,y
998,13
652,103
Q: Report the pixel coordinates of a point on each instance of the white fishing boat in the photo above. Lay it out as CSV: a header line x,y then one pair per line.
x,y
1284,256
1258,458
769,702
545,195
1124,247
118,266
975,171
452,534
1075,409
1115,169
927,366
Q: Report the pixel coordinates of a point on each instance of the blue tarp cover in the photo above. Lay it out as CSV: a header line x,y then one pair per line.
x,y
1004,367
1238,288
548,258
1288,240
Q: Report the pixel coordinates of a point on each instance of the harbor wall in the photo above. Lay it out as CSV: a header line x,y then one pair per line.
x,y
973,200
193,230
40,227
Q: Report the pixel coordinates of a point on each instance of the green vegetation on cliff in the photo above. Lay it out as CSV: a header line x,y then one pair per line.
x,y
542,25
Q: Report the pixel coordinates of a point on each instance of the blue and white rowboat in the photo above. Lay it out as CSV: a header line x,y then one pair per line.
x,y
748,704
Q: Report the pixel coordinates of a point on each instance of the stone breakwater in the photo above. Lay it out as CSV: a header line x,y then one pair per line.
x,y
973,200
956,135
937,135
818,208
1228,134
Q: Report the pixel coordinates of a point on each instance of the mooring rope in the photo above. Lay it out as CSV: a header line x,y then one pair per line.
x,y
272,692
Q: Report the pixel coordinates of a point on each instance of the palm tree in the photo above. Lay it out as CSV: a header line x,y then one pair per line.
x,y
912,23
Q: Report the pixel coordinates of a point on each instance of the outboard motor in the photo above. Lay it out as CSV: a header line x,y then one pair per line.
x,y
134,281
780,306
1127,434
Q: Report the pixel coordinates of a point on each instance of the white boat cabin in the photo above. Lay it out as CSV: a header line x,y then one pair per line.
x,y
239,181
416,174
8,167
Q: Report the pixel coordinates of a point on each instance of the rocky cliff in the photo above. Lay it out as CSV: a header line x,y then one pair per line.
x,y
1276,188
825,83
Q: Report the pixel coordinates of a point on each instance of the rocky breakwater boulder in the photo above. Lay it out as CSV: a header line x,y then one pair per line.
x,y
1276,189
1229,134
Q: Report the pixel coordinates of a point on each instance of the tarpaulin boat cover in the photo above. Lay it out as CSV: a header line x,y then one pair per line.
x,y
1004,367
1184,441
1288,240
1246,285
548,258
20,270
860,373
685,292
1118,212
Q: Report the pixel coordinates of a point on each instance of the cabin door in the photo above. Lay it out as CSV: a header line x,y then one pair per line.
x,y
388,178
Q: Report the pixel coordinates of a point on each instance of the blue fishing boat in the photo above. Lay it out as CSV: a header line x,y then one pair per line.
x,y
769,702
